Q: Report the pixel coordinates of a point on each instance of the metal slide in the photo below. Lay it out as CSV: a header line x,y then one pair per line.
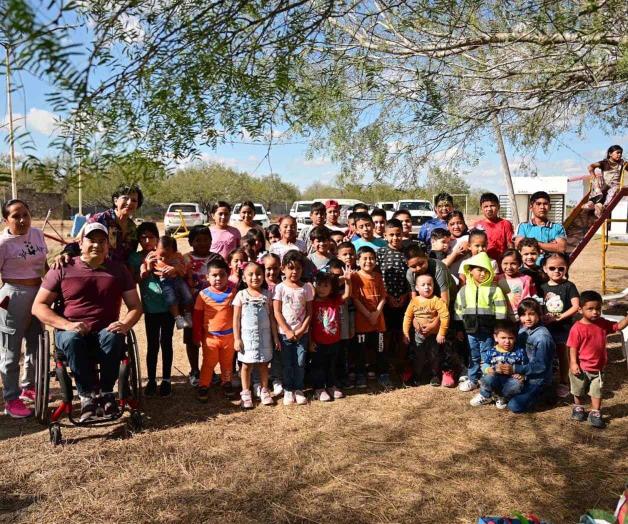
x,y
582,224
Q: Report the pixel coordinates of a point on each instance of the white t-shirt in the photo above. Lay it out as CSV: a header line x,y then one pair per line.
x,y
293,303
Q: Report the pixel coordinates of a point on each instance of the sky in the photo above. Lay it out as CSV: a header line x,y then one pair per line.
x,y
570,158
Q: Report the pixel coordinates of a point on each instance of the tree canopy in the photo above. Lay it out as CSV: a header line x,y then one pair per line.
x,y
386,86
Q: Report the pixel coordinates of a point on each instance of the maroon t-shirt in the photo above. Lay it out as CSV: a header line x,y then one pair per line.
x,y
92,296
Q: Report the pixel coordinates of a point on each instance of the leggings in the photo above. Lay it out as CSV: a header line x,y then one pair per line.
x,y
17,323
159,330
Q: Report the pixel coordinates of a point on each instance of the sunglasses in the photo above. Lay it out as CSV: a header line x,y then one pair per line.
x,y
557,268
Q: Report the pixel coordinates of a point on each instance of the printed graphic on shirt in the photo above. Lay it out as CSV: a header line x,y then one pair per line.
x,y
328,319
554,304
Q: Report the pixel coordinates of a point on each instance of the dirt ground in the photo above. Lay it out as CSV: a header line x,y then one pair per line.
x,y
411,455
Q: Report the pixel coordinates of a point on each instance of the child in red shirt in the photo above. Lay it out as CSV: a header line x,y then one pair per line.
x,y
498,230
588,356
325,333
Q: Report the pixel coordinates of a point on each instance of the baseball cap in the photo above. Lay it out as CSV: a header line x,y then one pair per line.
x,y
95,226
331,203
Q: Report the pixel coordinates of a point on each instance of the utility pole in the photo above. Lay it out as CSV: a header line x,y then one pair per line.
x,y
7,48
506,168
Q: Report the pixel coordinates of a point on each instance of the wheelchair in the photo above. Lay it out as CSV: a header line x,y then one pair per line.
x,y
129,388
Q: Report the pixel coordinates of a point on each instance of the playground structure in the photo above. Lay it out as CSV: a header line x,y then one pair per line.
x,y
581,225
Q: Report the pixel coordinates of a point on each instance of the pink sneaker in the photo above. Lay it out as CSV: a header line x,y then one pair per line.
x,y
449,380
28,395
16,409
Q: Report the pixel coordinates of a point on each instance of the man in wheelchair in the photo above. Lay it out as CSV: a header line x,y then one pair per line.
x,y
87,293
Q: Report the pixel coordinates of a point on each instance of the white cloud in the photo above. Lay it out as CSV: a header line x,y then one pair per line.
x,y
42,121
38,120
316,161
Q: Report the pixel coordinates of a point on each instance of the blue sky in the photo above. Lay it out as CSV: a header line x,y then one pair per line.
x,y
290,162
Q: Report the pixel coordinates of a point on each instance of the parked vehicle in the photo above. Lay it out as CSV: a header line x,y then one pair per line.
x,y
262,217
346,206
192,213
300,210
389,207
420,210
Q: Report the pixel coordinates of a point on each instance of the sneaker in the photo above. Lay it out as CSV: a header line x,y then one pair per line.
x,y
288,397
578,413
266,398
501,403
16,409
28,395
203,394
88,409
467,385
435,381
463,378
596,420
193,378
227,389
322,395
277,388
151,388
384,381
257,390
246,400
371,375
187,318
360,381
449,379
165,388
110,405
336,393
350,381
179,322
215,378
562,390
300,397
480,400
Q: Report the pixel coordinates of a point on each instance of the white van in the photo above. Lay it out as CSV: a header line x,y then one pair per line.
x,y
300,210
420,210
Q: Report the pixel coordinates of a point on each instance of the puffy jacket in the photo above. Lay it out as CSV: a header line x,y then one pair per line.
x,y
478,306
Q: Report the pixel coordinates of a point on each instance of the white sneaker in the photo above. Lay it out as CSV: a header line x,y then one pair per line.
x,y
179,321
336,393
300,397
463,378
288,398
467,385
193,378
267,400
187,317
322,395
246,400
257,390
480,400
501,403
277,388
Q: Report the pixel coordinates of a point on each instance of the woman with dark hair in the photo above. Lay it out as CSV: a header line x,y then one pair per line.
x,y
605,185
22,265
118,220
247,213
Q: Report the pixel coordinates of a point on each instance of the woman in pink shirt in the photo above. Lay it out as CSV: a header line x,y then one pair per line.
x,y
22,265
225,238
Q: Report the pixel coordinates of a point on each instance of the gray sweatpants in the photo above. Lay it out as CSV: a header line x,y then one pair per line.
x,y
17,323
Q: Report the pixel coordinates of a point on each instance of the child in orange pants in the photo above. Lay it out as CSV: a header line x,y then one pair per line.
x,y
213,327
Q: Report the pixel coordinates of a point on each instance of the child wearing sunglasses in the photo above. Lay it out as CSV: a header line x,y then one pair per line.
x,y
561,300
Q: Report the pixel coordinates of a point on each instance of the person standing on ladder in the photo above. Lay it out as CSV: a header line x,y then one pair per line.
x,y
604,186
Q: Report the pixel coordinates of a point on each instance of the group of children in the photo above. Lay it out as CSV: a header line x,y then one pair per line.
x,y
334,307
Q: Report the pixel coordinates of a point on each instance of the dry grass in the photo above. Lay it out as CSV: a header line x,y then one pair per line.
x,y
413,455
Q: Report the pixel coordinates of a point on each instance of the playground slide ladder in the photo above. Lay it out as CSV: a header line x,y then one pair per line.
x,y
606,242
614,318
582,224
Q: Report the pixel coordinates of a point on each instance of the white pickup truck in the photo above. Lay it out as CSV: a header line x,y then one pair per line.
x,y
420,210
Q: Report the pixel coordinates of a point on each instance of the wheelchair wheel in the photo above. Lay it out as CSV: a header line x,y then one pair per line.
x,y
135,375
42,378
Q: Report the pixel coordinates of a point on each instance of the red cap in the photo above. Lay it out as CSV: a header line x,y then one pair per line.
x,y
331,203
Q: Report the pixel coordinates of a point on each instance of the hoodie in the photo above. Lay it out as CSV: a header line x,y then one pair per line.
x,y
478,306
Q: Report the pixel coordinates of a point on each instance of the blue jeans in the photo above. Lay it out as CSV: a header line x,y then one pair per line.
x,y
176,291
524,401
293,362
104,347
502,385
479,343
